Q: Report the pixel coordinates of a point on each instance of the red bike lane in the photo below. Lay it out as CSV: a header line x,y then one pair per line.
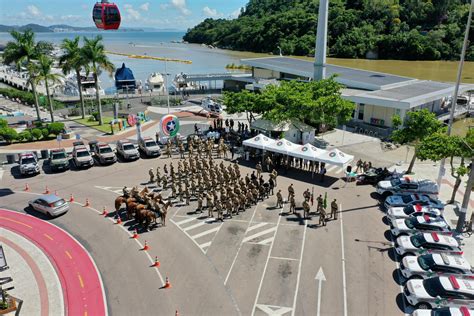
x,y
80,279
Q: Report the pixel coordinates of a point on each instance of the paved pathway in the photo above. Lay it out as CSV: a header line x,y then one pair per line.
x,y
79,277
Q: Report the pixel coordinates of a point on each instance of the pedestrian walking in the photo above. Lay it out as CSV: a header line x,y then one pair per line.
x,y
334,209
279,199
291,191
322,217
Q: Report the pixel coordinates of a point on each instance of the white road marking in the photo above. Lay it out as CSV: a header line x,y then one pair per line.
x,y
264,232
1,173
266,241
194,226
274,310
344,284
207,232
116,190
256,226
298,276
320,277
265,267
203,245
184,221
240,247
281,258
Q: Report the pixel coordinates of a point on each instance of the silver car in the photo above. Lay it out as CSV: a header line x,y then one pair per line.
x,y
49,204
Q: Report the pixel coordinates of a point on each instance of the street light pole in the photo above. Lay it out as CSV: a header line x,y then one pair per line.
x,y
167,88
456,90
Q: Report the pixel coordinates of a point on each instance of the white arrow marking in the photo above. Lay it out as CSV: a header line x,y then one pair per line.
x,y
320,277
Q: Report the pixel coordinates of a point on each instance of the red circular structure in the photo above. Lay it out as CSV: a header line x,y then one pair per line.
x,y
106,15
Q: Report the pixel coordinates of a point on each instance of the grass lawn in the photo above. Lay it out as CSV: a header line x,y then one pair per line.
x,y
103,128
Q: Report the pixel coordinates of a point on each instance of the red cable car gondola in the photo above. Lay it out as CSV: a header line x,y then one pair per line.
x,y
106,15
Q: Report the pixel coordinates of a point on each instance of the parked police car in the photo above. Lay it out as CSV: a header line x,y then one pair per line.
x,y
28,164
81,157
445,311
103,152
429,265
441,291
412,199
407,186
149,147
412,210
58,160
404,226
422,243
127,150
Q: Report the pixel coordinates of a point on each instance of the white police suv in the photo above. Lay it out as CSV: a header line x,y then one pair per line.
x,y
407,186
412,199
405,226
422,243
412,210
433,264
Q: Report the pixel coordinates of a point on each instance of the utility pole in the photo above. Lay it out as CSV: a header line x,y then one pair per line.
x,y
321,42
442,169
166,83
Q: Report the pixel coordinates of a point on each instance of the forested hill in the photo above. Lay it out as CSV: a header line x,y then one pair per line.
x,y
393,29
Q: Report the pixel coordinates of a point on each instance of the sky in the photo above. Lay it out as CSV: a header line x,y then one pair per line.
x,y
175,14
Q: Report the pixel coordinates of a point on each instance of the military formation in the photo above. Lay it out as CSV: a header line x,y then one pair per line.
x,y
219,190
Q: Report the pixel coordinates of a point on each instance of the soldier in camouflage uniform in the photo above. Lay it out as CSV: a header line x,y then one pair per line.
x,y
292,204
279,199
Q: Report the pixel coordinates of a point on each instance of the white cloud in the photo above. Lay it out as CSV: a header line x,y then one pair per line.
x,y
145,6
133,14
235,14
33,10
210,12
181,6
164,6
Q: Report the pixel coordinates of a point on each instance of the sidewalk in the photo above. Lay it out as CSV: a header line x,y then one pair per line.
x,y
34,278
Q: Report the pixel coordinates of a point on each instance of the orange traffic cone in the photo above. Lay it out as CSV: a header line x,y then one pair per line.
x,y
156,263
176,314
146,247
27,187
167,284
119,220
87,203
135,234
71,198
104,211
46,190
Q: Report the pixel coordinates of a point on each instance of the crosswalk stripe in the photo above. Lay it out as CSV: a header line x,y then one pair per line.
x,y
266,241
256,226
259,234
205,245
207,232
184,221
194,226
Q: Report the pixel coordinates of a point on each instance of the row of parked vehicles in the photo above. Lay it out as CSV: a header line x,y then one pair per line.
x,y
437,279
86,157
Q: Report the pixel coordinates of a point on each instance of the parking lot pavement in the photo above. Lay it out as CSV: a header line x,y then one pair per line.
x,y
261,261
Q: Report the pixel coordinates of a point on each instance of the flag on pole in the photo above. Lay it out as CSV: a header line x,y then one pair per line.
x,y
325,202
312,196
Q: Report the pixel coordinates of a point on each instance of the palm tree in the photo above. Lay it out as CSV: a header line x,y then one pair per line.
x,y
94,55
23,51
72,60
43,70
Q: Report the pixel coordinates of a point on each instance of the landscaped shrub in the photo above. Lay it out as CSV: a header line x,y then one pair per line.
x,y
56,128
36,133
25,136
45,133
8,134
3,123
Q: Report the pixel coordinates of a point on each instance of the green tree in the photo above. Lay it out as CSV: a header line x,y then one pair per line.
x,y
3,123
23,51
245,102
43,72
417,126
8,134
36,133
438,146
73,60
96,59
56,128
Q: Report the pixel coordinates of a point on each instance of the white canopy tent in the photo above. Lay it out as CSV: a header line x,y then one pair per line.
x,y
260,142
335,157
307,151
282,146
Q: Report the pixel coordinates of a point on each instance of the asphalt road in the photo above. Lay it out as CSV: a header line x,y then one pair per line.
x,y
263,261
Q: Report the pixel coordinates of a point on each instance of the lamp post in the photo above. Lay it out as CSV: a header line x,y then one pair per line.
x,y
166,86
442,169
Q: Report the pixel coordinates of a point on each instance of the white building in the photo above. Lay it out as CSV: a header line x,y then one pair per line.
x,y
378,96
